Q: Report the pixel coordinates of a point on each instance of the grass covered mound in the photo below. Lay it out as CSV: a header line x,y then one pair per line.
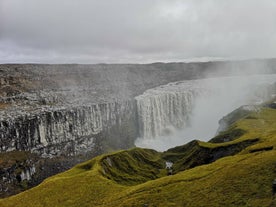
x,y
133,166
238,172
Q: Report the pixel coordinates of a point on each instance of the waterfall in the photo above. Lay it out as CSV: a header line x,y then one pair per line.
x,y
163,109
179,112
159,113
171,114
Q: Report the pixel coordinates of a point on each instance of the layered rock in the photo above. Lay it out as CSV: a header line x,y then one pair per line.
x,y
63,112
68,131
59,138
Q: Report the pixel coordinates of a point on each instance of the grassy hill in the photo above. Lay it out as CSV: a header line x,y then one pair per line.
x,y
238,172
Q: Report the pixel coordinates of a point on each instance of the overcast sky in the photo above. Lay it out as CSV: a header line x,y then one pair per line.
x,y
135,31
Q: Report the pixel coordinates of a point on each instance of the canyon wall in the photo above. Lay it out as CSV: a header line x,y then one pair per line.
x,y
70,131
60,138
61,115
176,113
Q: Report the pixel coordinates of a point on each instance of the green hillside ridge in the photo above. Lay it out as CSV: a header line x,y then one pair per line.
x,y
238,172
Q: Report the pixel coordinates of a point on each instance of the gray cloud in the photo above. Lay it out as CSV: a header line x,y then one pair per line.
x,y
91,31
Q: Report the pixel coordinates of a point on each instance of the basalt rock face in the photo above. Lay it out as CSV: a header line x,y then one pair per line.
x,y
62,121
20,170
61,138
69,131
67,109
65,114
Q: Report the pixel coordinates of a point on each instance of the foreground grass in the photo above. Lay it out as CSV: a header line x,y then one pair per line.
x,y
137,177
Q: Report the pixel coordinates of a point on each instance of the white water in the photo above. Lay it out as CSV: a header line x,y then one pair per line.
x,y
179,112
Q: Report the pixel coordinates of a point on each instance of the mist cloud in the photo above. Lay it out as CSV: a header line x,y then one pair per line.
x,y
219,97
90,31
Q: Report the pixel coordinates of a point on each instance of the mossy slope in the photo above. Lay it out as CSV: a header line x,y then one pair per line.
x,y
133,166
137,177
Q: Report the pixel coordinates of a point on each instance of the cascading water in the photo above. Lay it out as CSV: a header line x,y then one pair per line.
x,y
179,112
163,109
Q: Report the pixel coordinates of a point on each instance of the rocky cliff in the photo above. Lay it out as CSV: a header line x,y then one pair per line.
x,y
63,114
238,172
178,112
69,131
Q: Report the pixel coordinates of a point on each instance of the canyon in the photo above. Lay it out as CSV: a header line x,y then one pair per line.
x,y
60,115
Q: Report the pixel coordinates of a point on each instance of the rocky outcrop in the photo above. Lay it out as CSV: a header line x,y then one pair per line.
x,y
61,137
69,131
234,116
17,168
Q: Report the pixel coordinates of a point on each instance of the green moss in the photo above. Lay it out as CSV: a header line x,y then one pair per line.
x,y
7,159
133,177
228,135
24,184
133,166
198,153
88,165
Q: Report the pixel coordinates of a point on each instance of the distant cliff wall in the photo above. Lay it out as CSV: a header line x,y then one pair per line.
x,y
72,112
175,113
71,131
